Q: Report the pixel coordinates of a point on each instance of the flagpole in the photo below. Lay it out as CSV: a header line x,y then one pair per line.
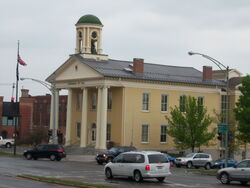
x,y
16,106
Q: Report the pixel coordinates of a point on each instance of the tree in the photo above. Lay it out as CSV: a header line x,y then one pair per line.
x,y
242,112
189,129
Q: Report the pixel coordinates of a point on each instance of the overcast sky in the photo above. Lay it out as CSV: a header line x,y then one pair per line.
x,y
160,31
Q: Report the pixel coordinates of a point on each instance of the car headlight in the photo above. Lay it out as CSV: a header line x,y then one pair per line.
x,y
104,155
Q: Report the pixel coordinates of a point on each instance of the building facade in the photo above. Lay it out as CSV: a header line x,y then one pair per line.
x,y
33,111
126,102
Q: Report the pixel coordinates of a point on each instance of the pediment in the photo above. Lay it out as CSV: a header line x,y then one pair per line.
x,y
73,69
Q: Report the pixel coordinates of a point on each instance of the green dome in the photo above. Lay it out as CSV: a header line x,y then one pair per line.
x,y
89,19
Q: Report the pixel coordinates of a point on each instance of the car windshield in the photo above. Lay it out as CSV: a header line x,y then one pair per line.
x,y
190,155
113,150
157,158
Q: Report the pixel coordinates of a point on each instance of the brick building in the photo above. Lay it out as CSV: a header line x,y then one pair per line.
x,y
33,111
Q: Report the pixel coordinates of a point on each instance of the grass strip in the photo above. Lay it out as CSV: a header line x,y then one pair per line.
x,y
63,182
6,154
211,172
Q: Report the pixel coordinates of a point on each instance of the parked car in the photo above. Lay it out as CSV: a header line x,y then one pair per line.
x,y
6,142
240,172
195,160
170,159
51,151
139,165
221,163
112,153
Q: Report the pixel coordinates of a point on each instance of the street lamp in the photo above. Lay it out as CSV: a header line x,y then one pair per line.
x,y
52,89
220,65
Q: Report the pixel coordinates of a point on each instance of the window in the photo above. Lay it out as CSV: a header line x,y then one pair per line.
x,y
108,132
163,136
224,108
93,106
93,132
48,108
78,129
145,101
9,121
144,133
200,101
183,99
164,102
79,102
109,100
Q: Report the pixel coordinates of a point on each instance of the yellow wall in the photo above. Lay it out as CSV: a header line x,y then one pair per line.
x,y
135,117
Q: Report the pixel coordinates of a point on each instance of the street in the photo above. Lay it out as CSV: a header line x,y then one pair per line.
x,y
92,173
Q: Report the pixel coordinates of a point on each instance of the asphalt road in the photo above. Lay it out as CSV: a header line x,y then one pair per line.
x,y
93,173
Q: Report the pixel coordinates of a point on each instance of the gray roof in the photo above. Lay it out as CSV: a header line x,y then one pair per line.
x,y
153,72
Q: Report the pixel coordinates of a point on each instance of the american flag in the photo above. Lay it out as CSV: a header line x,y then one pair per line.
x,y
20,61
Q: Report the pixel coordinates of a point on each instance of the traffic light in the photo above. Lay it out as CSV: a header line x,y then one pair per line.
x,y
12,99
49,132
219,136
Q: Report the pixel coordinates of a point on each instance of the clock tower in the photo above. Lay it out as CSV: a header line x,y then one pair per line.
x,y
89,36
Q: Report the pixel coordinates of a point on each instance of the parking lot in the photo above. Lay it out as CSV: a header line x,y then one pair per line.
x,y
89,171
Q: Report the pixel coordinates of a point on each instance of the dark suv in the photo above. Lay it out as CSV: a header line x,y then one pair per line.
x,y
51,151
112,153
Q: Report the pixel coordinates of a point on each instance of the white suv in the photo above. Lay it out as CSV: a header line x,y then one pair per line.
x,y
195,160
139,165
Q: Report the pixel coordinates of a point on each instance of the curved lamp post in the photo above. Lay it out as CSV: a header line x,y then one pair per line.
x,y
221,66
52,89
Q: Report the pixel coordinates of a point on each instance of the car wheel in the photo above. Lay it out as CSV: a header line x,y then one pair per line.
x,y
99,162
28,156
108,173
243,182
224,178
8,145
52,157
196,167
58,158
137,176
178,166
189,165
208,166
160,179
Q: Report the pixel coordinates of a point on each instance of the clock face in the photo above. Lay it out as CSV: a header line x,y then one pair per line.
x,y
94,34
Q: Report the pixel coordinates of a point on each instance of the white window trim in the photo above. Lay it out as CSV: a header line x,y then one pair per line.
x,y
165,112
143,142
145,92
180,101
166,134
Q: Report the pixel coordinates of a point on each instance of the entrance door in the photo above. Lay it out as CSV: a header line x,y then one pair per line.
x,y
93,132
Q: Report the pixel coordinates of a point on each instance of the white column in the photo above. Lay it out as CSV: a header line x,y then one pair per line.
x,y
83,142
99,45
103,135
98,118
68,121
88,41
84,39
57,108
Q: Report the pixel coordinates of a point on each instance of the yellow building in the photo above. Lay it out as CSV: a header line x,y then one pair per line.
x,y
126,101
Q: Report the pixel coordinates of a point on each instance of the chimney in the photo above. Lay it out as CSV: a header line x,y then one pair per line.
x,y
207,73
138,65
25,93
